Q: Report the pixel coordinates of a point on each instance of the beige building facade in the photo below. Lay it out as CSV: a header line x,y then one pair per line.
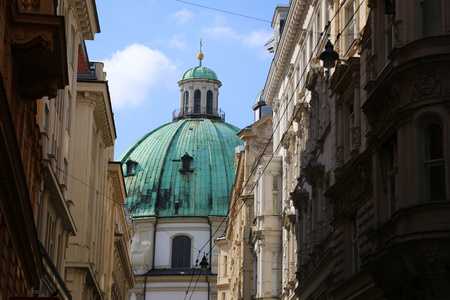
x,y
82,225
361,148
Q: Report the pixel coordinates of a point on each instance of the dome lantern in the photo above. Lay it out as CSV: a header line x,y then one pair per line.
x,y
199,93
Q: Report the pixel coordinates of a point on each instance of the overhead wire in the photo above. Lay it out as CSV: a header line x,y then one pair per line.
x,y
224,11
295,112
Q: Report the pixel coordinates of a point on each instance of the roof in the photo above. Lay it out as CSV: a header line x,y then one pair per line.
x,y
181,169
199,73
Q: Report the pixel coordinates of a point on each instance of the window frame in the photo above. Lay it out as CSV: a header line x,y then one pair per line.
x,y
186,258
197,101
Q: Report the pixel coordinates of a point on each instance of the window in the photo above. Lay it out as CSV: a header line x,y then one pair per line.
x,y
131,167
275,274
434,162
275,193
197,101
68,112
64,171
351,118
209,102
431,17
389,172
389,36
351,19
186,102
181,252
45,119
225,265
71,45
355,250
50,234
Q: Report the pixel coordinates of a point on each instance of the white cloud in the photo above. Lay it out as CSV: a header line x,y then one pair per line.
x,y
134,71
253,39
182,16
256,38
178,41
221,32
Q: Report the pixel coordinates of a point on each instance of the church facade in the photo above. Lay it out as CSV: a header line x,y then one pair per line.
x,y
178,179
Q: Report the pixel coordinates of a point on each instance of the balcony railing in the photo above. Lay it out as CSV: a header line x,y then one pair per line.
x,y
189,113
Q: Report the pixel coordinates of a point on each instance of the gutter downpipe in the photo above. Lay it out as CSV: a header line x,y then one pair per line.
x,y
153,258
210,255
145,286
209,288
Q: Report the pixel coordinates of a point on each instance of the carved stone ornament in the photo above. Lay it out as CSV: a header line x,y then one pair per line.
x,y
429,83
29,40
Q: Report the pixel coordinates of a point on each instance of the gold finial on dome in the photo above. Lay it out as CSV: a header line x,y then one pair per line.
x,y
200,55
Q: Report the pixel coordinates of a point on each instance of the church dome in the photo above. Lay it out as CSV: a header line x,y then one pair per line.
x,y
181,169
199,72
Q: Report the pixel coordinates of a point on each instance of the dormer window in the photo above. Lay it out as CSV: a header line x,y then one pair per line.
x,y
131,168
186,163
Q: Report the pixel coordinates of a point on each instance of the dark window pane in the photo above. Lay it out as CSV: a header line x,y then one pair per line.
x,y
181,252
433,142
209,102
197,100
186,101
436,177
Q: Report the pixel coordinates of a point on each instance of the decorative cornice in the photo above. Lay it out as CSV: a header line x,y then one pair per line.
x,y
281,61
97,93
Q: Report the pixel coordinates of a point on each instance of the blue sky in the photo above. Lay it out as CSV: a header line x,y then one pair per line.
x,y
147,45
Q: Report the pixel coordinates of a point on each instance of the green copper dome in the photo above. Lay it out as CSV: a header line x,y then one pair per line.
x,y
199,73
181,169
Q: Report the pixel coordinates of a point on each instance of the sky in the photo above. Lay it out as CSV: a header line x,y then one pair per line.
x,y
147,45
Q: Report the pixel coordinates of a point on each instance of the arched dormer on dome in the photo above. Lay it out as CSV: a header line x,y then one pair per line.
x,y
199,94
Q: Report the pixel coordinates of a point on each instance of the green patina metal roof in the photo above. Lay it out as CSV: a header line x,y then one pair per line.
x,y
161,186
199,72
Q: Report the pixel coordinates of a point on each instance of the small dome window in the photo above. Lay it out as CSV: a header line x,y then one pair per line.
x,y
131,168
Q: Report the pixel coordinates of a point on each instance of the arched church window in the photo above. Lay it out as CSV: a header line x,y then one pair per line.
x,y
197,101
181,252
186,101
209,102
434,162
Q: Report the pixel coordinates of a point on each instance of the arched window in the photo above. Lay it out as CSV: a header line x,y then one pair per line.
x,y
181,252
197,101
209,102
186,101
434,162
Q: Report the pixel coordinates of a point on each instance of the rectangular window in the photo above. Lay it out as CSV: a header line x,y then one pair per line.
x,y
45,119
351,19
351,118
355,250
225,265
275,274
68,112
431,17
389,28
275,202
